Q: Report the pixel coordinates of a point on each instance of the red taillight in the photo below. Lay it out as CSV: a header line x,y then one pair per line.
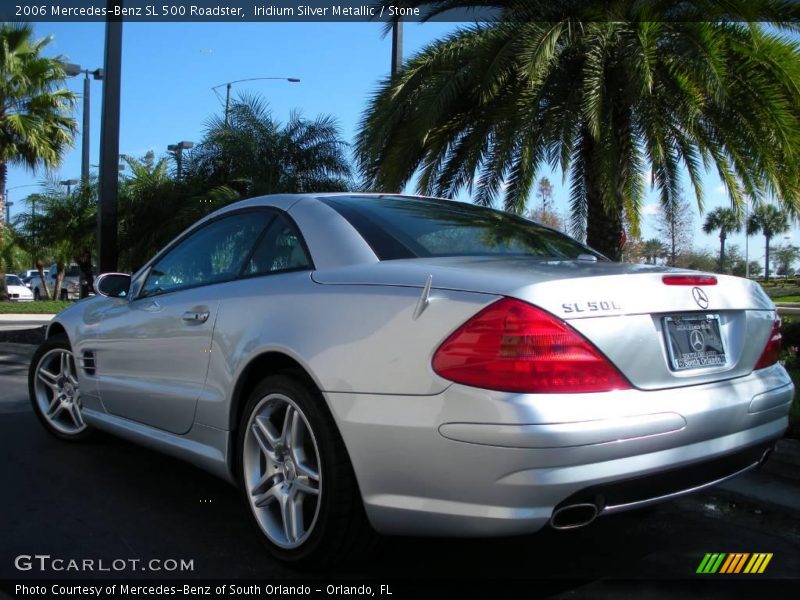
x,y
689,280
772,350
512,346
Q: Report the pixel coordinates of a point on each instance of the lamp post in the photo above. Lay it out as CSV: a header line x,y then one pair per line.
x,y
228,85
397,47
109,142
177,151
10,204
69,183
72,70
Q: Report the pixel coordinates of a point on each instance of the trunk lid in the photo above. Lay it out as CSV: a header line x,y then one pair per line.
x,y
625,310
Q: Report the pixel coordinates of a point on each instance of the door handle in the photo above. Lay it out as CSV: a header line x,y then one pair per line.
x,y
194,316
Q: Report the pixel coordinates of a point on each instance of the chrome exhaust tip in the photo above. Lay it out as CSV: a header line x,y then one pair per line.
x,y
765,456
573,516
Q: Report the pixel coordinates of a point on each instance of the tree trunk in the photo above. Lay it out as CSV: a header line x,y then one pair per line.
x,y
603,230
40,268
59,280
722,237
3,175
84,261
766,259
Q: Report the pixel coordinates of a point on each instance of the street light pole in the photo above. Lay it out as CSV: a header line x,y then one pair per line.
x,y
397,47
72,70
177,152
228,85
69,183
227,101
109,144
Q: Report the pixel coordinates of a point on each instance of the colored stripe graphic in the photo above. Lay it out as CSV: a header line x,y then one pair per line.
x,y
711,563
723,563
758,563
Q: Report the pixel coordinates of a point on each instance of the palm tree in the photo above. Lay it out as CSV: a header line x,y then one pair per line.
x,y
254,154
653,249
65,224
608,92
770,221
36,124
155,207
726,220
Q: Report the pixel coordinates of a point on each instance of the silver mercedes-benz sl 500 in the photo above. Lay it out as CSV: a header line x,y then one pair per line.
x,y
403,365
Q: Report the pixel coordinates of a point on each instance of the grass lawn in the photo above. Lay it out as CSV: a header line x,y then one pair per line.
x,y
787,299
34,308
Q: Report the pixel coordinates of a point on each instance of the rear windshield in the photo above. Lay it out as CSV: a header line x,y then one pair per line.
x,y
409,227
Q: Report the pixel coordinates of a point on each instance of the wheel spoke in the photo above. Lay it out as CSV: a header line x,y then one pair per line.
x,y
49,379
288,425
292,514
273,494
75,414
55,408
64,365
303,468
267,440
264,482
305,486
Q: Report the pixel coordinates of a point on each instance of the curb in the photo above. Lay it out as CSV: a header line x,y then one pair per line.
x,y
35,317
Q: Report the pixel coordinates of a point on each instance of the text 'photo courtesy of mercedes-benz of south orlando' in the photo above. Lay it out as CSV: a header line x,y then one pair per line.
x,y
387,299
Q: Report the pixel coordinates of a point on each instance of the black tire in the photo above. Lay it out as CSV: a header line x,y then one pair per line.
x,y
341,531
54,343
37,295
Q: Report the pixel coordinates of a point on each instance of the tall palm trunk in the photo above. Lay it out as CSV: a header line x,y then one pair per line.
x,y
603,229
722,237
40,269
84,260
3,176
766,258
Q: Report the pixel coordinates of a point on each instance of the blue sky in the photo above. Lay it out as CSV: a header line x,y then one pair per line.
x,y
169,68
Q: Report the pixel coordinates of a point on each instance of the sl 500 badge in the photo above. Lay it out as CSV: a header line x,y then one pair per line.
x,y
590,306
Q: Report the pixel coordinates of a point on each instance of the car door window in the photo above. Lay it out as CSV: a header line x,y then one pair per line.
x,y
213,254
280,249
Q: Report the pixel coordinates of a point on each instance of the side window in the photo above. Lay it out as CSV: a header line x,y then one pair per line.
x,y
280,249
214,253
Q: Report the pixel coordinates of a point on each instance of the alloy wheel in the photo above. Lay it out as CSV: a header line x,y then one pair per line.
x,y
58,392
281,467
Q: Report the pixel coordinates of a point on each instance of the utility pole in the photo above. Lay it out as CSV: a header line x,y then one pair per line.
x,y
397,47
109,145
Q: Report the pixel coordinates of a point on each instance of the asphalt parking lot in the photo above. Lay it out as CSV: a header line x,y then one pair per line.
x,y
112,499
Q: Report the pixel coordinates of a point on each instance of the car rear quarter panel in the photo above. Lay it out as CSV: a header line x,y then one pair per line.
x,y
349,338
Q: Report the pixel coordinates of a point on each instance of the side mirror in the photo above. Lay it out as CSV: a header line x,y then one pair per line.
x,y
113,285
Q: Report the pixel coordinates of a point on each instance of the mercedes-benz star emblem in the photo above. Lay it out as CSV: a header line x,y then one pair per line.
x,y
697,340
700,297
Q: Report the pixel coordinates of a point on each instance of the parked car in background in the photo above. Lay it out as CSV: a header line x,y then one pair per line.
x,y
17,292
417,366
70,285
26,275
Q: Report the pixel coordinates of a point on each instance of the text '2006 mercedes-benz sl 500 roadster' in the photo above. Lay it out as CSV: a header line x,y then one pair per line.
x,y
363,363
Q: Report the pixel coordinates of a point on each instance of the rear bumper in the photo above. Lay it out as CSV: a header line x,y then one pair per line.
x,y
473,462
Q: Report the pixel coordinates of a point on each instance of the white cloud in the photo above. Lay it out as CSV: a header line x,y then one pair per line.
x,y
651,209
